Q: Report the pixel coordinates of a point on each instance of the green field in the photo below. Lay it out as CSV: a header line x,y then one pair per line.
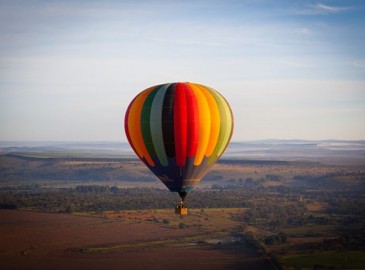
x,y
328,260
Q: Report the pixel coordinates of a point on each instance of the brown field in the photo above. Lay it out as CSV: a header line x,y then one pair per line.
x,y
127,240
315,207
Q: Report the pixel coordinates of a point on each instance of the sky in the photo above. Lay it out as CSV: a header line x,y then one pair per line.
x,y
291,69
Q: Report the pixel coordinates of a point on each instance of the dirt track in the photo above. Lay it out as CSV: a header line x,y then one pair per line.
x,y
31,240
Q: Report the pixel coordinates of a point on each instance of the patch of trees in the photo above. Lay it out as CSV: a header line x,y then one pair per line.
x,y
8,206
347,242
274,177
100,198
273,214
275,239
332,180
346,203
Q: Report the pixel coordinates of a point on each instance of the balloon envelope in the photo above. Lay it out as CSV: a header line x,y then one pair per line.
x,y
179,130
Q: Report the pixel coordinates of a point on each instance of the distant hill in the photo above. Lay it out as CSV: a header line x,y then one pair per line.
x,y
325,151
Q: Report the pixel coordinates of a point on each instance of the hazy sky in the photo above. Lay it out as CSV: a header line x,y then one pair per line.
x,y
289,69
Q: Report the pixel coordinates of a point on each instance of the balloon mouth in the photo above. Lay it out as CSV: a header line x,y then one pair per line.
x,y
183,195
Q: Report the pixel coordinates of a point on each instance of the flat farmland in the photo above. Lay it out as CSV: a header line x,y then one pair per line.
x,y
33,240
73,211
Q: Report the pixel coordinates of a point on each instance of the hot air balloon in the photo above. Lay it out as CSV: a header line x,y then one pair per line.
x,y
179,130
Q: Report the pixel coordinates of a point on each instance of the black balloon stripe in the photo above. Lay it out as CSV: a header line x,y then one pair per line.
x,y
168,121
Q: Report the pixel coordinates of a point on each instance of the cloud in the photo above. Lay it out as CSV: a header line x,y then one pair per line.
x,y
319,9
329,9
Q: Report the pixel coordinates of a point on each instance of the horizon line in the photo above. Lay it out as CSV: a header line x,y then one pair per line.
x,y
233,141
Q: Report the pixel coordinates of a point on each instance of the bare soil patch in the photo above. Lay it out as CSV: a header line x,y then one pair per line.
x,y
33,240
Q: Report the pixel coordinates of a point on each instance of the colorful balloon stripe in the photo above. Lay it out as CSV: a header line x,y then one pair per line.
x,y
133,130
178,130
180,124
